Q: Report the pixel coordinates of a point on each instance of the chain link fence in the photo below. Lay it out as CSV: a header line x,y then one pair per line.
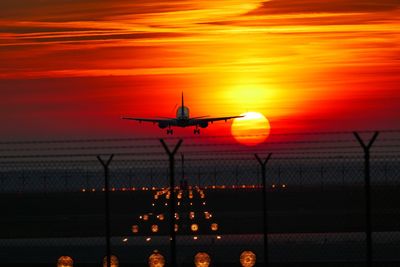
x,y
53,201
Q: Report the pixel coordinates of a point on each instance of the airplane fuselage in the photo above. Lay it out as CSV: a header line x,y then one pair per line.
x,y
182,122
182,113
182,117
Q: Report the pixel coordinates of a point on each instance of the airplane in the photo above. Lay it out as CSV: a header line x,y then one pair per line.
x,y
182,120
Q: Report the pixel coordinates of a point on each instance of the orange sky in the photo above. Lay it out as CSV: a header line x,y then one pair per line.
x,y
73,68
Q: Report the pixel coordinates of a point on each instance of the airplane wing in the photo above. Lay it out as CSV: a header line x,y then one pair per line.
x,y
155,120
200,117
200,120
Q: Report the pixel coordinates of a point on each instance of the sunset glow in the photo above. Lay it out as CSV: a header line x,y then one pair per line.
x,y
252,129
73,68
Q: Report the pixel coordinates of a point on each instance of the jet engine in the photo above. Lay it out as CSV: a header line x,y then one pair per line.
x,y
203,124
163,125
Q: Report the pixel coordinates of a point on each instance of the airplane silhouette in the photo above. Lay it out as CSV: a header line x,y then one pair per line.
x,y
182,120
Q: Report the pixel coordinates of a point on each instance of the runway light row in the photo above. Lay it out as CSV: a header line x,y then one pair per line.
x,y
148,239
161,217
124,189
194,227
156,259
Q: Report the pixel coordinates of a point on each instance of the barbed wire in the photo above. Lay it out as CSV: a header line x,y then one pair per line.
x,y
201,151
186,145
250,156
189,137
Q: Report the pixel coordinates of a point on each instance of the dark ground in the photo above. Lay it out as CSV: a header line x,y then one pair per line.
x,y
291,210
237,211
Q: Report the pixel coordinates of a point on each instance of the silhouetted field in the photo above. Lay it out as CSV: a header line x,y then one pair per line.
x,y
237,211
308,227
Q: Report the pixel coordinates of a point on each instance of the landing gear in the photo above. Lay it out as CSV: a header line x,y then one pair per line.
x,y
196,131
170,131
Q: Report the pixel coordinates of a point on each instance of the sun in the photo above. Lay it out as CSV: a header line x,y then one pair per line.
x,y
252,129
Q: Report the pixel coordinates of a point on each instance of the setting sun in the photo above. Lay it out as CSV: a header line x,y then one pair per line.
x,y
252,129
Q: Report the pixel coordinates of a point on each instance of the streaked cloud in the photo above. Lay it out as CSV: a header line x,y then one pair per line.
x,y
318,6
283,58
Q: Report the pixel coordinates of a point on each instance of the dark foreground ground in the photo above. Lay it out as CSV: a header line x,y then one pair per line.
x,y
308,227
237,211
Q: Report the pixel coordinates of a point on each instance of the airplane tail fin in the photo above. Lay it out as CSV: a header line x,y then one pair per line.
x,y
182,106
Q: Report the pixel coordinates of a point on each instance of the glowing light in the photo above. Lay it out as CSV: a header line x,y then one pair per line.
x,y
252,129
202,259
156,259
154,228
65,261
248,259
113,260
194,227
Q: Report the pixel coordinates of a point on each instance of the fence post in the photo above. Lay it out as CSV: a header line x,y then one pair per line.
x,y
367,188
322,172
23,182
171,158
215,176
198,176
343,173
66,181
237,176
105,165
183,166
151,178
279,175
263,165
